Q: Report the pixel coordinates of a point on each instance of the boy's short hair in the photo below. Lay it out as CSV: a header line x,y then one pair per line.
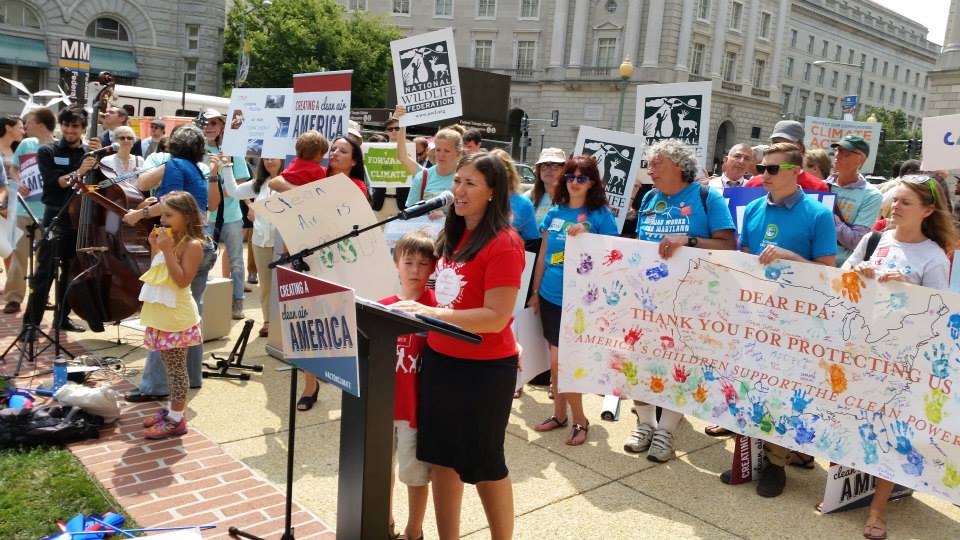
x,y
311,144
791,153
415,243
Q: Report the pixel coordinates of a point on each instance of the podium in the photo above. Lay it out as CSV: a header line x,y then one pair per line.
x,y
366,424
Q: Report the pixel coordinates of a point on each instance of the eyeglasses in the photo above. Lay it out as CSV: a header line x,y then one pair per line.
x,y
578,179
921,179
550,165
124,138
392,129
774,169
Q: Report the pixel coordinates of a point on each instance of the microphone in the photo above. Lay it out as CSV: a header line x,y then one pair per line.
x,y
424,207
103,151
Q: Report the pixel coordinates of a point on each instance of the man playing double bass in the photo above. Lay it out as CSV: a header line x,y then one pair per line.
x,y
59,162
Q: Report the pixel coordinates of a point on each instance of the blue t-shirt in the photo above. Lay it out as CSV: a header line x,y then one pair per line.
x,y
436,184
182,175
231,206
682,214
555,224
805,229
523,219
25,160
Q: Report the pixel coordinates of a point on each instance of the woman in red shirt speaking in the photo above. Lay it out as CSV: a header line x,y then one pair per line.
x,y
466,390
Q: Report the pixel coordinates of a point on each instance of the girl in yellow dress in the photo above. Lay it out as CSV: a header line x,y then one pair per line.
x,y
169,311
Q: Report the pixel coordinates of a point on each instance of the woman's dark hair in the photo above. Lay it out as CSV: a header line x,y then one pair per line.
x,y
188,142
910,166
7,122
73,114
262,175
596,195
357,171
495,219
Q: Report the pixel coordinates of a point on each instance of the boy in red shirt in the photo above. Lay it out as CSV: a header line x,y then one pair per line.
x,y
305,168
415,258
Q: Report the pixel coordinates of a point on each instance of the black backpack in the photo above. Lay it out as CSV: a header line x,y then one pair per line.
x,y
47,425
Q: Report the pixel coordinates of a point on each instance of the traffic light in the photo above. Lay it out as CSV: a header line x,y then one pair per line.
x,y
555,118
524,124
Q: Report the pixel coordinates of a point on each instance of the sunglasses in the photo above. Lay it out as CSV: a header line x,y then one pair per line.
x,y
550,165
774,169
124,138
921,179
392,129
578,179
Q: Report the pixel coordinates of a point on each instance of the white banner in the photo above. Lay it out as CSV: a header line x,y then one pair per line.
x,y
801,355
618,156
940,137
258,123
675,111
426,77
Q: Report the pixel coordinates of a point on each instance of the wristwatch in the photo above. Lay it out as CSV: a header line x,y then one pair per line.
x,y
692,241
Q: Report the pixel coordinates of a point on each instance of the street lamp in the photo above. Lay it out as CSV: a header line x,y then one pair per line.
x,y
862,65
243,65
626,71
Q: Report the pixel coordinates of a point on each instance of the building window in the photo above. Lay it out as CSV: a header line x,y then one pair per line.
x,y
834,77
817,103
873,65
906,77
530,9
107,28
820,74
850,57
703,10
786,100
916,79
35,79
838,54
766,20
870,90
443,8
793,38
357,5
193,37
883,91
759,66
736,15
846,83
896,72
401,7
606,52
696,59
913,101
825,48
831,105
526,53
806,72
483,53
810,44
885,66
923,103
803,106
18,14
893,95
730,66
903,100
191,75
487,9
789,70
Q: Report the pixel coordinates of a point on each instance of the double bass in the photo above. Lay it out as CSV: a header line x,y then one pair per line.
x,y
111,256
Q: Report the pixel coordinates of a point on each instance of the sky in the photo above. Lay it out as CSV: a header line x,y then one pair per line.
x,y
932,14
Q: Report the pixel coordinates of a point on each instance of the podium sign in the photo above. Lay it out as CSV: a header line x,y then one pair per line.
x,y
319,328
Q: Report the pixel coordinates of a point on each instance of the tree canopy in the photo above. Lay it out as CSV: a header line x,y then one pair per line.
x,y
895,128
304,36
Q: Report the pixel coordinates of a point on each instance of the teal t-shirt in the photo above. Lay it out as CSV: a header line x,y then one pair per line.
x,y
555,223
25,160
231,206
805,229
858,205
436,184
546,203
682,214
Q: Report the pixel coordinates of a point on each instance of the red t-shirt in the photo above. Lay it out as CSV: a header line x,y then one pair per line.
x,y
409,347
806,180
304,171
461,285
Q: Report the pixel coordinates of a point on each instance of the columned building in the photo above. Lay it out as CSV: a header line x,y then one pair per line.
x,y
564,54
945,77
151,44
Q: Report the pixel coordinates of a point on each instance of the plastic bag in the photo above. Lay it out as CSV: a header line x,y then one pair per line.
x,y
101,401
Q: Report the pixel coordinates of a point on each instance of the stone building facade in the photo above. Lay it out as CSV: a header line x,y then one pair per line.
x,y
945,77
150,44
564,54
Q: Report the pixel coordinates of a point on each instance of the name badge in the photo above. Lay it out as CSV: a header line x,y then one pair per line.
x,y
556,225
60,160
556,258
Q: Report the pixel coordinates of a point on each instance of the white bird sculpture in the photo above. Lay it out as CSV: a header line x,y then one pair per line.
x,y
29,103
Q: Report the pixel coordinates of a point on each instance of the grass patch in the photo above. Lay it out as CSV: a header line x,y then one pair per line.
x,y
40,486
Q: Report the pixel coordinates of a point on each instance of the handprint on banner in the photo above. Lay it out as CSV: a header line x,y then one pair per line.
x,y
804,434
849,285
656,384
953,323
615,293
591,295
700,395
933,405
656,273
586,264
799,401
709,374
757,410
579,321
615,255
645,296
632,336
868,440
894,302
939,361
776,270
636,259
951,476
902,433
680,374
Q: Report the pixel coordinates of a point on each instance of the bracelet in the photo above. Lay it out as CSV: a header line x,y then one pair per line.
x,y
146,212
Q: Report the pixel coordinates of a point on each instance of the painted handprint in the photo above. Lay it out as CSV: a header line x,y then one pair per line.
x,y
709,374
914,464
849,285
591,295
700,395
804,434
902,433
954,324
729,392
666,342
347,252
658,272
782,425
894,302
766,423
615,293
951,477
868,440
799,401
630,372
646,299
933,405
775,270
757,410
586,264
632,335
615,255
579,321
656,384
680,374
939,362
636,259
824,441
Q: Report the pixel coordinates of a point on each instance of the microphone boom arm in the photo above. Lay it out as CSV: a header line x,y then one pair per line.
x,y
298,257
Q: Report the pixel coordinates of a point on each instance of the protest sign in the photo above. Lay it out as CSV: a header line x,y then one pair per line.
x,y
321,102
941,135
314,213
617,155
258,123
383,167
9,233
675,111
822,132
804,356
395,230
529,330
848,488
425,73
739,197
319,328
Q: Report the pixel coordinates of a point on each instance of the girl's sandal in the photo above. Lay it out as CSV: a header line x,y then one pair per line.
x,y
801,460
875,529
575,433
550,424
305,403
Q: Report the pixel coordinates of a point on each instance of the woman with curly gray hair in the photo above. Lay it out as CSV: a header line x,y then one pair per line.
x,y
678,213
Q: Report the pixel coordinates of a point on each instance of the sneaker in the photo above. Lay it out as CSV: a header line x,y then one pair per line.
x,y
639,439
772,481
11,307
157,417
661,447
237,309
252,278
166,428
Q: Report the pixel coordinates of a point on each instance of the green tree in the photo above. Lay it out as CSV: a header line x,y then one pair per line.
x,y
895,128
304,36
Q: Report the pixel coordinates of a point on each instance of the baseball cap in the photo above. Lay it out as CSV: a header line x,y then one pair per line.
x,y
854,143
788,129
552,155
212,113
156,122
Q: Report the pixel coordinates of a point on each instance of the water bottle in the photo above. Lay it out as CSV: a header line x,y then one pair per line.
x,y
59,372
